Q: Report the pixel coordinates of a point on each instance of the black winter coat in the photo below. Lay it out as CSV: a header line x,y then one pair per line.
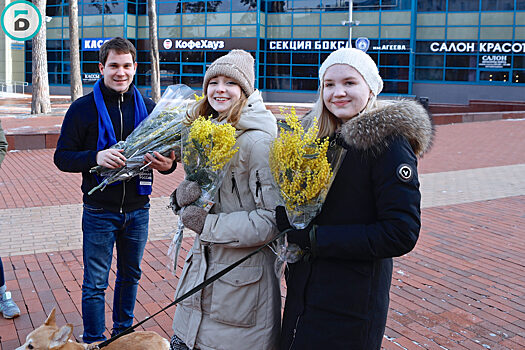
x,y
338,298
77,147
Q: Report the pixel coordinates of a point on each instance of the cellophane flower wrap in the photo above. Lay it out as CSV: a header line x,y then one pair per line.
x,y
207,147
303,169
160,131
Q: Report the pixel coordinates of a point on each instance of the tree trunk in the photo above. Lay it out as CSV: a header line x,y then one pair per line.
x,y
74,53
154,51
40,102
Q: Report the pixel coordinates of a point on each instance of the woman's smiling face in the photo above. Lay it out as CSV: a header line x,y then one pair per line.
x,y
222,93
345,91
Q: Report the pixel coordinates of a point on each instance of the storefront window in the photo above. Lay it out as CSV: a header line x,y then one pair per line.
x,y
494,76
278,83
218,6
170,68
192,81
463,5
394,73
169,8
101,7
431,5
278,70
193,6
395,87
518,76
277,57
519,62
429,74
460,75
246,5
305,5
497,5
169,56
394,60
304,84
192,56
275,6
305,71
305,58
462,61
430,60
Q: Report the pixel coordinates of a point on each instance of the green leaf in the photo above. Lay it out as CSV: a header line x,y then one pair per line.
x,y
311,156
284,126
289,174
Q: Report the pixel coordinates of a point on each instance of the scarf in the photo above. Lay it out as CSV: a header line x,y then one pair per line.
x,y
106,133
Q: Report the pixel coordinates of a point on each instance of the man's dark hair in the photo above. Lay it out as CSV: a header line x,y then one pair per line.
x,y
120,46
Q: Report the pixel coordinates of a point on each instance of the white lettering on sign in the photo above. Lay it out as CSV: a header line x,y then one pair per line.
x,y
304,45
390,47
94,44
484,47
199,44
494,61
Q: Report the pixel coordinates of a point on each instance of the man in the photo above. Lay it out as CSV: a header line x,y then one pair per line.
x,y
8,307
120,214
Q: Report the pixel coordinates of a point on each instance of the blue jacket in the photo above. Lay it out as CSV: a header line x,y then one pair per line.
x,y
338,298
77,147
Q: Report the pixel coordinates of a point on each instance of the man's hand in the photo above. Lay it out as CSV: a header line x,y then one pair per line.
x,y
111,158
159,162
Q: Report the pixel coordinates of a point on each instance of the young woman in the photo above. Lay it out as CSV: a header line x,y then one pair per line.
x,y
241,310
338,297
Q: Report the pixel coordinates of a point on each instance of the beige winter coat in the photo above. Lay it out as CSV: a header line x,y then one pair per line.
x,y
242,309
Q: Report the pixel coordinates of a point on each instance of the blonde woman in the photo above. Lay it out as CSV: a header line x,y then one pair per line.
x,y
338,297
242,309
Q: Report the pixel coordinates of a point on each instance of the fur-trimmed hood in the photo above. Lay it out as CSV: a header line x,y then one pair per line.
x,y
373,130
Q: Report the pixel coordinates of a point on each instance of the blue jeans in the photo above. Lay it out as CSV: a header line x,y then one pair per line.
x,y
101,229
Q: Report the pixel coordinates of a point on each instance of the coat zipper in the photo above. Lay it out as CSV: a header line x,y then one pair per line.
x,y
121,98
294,332
234,188
258,187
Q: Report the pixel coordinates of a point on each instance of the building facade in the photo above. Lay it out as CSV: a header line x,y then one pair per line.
x,y
450,51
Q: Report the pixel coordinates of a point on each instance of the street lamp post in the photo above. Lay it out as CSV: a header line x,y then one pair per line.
x,y
350,23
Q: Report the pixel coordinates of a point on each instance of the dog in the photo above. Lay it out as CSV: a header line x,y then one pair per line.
x,y
49,337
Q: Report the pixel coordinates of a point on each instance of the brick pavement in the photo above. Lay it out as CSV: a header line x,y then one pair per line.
x,y
463,286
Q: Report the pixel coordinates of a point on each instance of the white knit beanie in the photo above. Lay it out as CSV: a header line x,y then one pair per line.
x,y
237,64
360,61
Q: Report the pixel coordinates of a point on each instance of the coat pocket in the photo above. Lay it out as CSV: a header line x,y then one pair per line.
x,y
235,296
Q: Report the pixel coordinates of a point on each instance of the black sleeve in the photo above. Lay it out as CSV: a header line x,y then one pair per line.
x,y
397,198
72,154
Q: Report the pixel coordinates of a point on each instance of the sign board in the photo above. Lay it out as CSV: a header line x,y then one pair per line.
x,y
494,61
474,47
90,77
93,44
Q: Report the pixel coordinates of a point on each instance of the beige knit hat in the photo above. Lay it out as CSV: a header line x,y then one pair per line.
x,y
237,64
360,61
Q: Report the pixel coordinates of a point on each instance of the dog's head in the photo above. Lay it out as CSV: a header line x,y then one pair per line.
x,y
48,336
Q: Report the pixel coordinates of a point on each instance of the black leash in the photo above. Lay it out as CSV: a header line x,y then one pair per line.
x,y
194,290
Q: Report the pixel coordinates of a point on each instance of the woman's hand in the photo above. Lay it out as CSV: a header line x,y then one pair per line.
x,y
300,237
194,218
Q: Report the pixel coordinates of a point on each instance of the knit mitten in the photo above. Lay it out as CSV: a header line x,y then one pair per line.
x,y
187,193
193,218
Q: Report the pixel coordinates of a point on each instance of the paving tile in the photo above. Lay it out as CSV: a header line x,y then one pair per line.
x,y
462,287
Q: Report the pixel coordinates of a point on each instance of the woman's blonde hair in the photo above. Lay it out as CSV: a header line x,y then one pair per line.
x,y
203,108
327,122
